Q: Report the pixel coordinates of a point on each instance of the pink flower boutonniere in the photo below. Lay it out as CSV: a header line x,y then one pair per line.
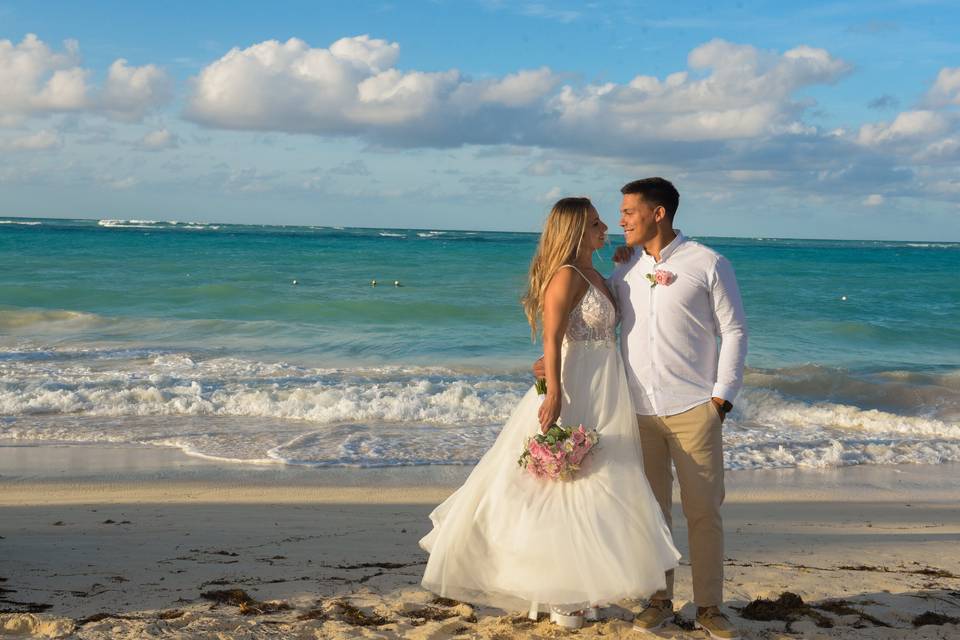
x,y
661,277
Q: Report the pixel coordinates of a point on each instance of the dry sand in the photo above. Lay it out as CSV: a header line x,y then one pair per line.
x,y
131,557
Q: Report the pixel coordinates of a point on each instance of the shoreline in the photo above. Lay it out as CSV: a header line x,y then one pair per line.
x,y
71,473
133,550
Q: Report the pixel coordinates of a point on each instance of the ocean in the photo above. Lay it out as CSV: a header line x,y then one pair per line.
x,y
269,345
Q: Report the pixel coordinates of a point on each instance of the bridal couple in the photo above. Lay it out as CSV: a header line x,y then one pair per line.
x,y
511,540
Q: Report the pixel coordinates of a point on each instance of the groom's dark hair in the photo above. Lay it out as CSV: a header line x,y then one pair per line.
x,y
657,192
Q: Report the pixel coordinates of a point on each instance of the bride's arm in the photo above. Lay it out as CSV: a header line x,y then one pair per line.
x,y
564,290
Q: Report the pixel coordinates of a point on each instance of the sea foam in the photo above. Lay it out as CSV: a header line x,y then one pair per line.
x,y
236,409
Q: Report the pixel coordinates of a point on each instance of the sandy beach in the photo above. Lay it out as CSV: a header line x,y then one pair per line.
x,y
120,543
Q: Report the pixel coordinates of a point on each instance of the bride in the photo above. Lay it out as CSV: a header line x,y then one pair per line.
x,y
513,541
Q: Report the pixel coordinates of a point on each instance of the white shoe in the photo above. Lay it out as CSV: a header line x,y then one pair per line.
x,y
566,619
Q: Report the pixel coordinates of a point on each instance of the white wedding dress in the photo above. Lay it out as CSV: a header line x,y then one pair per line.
x,y
509,540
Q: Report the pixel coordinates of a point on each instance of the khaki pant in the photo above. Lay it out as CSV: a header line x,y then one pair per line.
x,y
692,441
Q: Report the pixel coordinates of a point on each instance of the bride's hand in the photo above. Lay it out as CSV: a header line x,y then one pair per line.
x,y
549,411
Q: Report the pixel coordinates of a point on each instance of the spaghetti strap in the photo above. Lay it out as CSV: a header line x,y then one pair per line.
x,y
578,271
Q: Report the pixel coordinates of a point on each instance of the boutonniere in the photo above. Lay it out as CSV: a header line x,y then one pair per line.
x,y
661,277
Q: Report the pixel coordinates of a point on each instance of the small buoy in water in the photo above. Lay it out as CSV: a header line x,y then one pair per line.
x,y
396,283
844,298
295,282
373,283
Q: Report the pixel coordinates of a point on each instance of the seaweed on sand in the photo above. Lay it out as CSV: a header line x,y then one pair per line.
x,y
931,617
843,608
354,616
789,607
429,613
248,606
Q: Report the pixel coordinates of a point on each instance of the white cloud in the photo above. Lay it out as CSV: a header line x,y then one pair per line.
x,y
39,81
519,89
39,141
353,88
946,88
737,91
159,140
947,149
290,86
907,125
132,91
873,200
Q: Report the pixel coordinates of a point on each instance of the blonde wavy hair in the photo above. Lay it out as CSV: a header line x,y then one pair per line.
x,y
562,234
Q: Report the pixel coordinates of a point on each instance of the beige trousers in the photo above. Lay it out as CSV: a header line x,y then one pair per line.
x,y
692,441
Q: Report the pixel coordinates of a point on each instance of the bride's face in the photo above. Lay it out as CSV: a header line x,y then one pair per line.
x,y
595,235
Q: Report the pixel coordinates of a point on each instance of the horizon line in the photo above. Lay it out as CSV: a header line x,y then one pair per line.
x,y
256,224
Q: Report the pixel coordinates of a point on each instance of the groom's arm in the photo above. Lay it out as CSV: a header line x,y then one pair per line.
x,y
732,326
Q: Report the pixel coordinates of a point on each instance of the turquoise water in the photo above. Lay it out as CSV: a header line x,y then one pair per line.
x,y
107,326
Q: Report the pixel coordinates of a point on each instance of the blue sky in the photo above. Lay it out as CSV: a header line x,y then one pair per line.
x,y
837,119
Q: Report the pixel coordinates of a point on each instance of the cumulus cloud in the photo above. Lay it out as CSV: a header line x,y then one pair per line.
x,y
353,88
946,88
943,150
730,92
909,125
130,92
737,91
38,80
291,87
922,144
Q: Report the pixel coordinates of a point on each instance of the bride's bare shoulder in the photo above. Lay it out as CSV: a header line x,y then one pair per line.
x,y
566,284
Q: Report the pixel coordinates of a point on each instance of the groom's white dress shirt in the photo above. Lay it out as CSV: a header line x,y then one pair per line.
x,y
669,333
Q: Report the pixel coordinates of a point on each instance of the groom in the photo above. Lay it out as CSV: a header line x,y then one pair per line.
x,y
677,300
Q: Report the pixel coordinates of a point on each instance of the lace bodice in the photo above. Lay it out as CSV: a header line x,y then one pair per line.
x,y
593,320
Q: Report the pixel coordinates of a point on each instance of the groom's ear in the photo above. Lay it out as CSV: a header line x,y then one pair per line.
x,y
659,213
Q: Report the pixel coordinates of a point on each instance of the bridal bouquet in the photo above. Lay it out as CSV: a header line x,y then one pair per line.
x,y
557,454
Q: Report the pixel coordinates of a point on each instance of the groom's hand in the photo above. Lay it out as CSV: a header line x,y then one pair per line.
x,y
718,403
539,369
622,253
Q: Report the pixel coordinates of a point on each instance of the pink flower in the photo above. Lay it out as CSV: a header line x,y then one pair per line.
x,y
561,459
664,277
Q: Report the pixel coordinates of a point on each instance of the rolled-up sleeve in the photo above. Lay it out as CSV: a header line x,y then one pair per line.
x,y
732,327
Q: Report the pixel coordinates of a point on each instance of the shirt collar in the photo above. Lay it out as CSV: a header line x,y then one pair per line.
x,y
671,248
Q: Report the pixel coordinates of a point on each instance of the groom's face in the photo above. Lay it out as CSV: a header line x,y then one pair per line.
x,y
637,219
